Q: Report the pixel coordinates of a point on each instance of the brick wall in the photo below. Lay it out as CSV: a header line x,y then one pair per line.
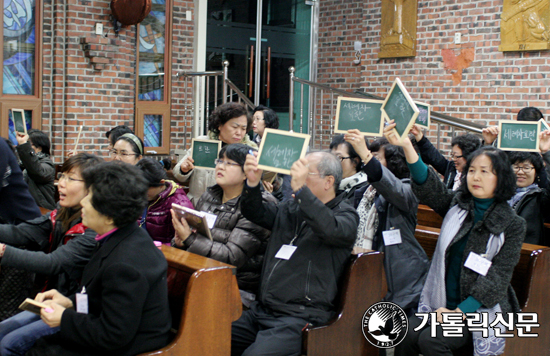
x,y
495,86
99,89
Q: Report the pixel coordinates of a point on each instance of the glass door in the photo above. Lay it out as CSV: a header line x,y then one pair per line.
x,y
261,48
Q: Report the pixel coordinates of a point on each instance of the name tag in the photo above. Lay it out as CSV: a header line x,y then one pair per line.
x,y
82,303
392,237
285,252
477,263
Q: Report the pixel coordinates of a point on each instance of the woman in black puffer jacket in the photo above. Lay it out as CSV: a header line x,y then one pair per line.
x,y
236,240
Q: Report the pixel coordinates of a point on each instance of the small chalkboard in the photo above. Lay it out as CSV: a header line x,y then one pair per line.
x,y
361,114
423,118
19,122
205,153
518,136
400,107
543,125
280,149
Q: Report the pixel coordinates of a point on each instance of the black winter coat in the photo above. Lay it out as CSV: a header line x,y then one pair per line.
x,y
533,207
39,174
305,285
236,240
430,155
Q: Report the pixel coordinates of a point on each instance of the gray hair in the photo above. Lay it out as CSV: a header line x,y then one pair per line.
x,y
329,165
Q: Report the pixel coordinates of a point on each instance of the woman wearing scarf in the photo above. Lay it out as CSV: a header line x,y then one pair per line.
x,y
478,225
530,201
353,177
387,213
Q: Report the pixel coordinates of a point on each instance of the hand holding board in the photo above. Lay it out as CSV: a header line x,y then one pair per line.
x,y
280,149
518,136
400,107
205,152
361,114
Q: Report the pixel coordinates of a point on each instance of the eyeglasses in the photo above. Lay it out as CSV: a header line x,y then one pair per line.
x,y
113,153
342,158
525,169
220,162
259,119
453,156
61,176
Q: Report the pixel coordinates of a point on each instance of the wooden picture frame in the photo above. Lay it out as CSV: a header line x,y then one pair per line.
x,y
19,121
196,157
505,135
285,156
342,126
421,107
399,100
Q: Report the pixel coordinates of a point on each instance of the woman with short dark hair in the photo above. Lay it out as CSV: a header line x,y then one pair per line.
x,y
229,124
236,240
263,118
128,148
162,193
479,225
124,310
39,171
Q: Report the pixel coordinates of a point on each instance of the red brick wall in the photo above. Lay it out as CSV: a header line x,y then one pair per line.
x,y
495,86
99,89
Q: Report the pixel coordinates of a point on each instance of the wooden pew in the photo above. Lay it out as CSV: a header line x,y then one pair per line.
x,y
204,301
363,284
530,281
427,217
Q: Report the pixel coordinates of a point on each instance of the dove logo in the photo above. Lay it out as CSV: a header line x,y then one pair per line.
x,y
383,324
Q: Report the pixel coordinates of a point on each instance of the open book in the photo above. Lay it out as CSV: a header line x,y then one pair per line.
x,y
198,220
32,305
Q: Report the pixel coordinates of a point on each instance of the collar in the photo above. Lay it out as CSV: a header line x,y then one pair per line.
x,y
101,237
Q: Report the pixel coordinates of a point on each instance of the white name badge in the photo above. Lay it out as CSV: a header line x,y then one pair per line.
x,y
285,252
477,263
82,303
392,237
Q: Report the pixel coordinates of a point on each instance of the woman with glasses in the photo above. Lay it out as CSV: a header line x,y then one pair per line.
x,y
530,201
128,148
229,124
263,118
58,246
353,177
236,240
451,170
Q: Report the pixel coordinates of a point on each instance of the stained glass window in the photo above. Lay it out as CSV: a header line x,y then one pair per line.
x,y
152,31
152,130
19,47
28,120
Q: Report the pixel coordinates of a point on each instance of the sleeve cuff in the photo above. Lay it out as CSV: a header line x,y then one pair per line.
x,y
469,305
373,169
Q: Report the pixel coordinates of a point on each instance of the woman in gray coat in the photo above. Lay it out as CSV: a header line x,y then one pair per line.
x,y
477,250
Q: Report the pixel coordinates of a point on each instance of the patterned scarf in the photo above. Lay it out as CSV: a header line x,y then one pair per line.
x,y
520,192
350,182
368,219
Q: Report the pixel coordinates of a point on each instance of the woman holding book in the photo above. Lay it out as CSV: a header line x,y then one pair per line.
x,y
235,240
229,124
68,245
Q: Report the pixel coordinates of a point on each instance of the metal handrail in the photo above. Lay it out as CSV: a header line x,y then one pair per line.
x,y
437,117
239,93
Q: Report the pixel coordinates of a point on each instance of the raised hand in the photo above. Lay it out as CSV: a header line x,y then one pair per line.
x,y
299,172
187,165
251,171
544,144
490,134
21,137
356,139
417,132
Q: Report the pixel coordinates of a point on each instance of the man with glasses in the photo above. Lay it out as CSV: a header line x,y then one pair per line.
x,y
311,239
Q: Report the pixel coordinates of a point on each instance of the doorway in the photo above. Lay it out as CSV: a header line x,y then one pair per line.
x,y
261,39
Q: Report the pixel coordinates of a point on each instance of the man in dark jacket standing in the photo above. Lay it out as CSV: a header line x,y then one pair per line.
x,y
311,240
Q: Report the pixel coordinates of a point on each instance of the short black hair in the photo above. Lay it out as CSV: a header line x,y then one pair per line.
x,y
529,114
467,143
396,161
378,143
137,149
339,140
236,152
117,131
119,191
225,112
532,157
270,116
506,178
40,139
153,171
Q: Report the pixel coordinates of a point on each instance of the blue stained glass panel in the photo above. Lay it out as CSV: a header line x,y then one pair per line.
x,y
152,33
152,130
28,121
19,47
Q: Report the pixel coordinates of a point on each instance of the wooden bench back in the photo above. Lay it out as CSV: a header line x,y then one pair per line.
x,y
363,284
204,300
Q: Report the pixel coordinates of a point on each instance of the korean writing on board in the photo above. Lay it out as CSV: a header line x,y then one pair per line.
x,y
206,149
282,156
520,134
357,111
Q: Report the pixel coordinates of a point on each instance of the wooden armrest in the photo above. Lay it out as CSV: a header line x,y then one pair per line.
x,y
363,284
